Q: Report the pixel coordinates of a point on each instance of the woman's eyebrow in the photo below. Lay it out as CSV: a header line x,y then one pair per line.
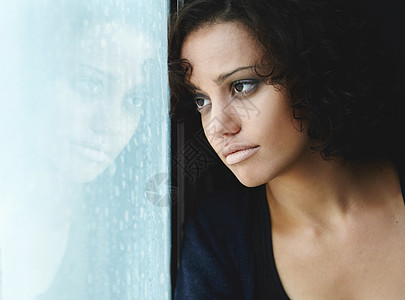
x,y
199,95
221,78
96,71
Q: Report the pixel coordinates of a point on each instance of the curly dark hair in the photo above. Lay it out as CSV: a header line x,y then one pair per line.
x,y
331,56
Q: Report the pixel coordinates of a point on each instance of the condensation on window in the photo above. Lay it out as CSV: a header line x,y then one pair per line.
x,y
84,150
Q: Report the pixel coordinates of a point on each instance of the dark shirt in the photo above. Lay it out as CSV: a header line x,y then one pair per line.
x,y
217,259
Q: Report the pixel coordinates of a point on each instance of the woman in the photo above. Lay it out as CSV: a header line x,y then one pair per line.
x,y
324,216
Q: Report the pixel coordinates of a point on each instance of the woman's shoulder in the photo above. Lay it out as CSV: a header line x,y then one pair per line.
x,y
226,203
227,212
216,256
221,219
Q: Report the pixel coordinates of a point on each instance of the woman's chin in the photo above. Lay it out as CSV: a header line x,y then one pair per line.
x,y
250,183
79,171
249,179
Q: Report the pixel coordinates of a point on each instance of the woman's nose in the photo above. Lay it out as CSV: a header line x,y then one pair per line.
x,y
223,122
106,117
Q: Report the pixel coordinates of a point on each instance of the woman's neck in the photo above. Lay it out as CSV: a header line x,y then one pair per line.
x,y
317,192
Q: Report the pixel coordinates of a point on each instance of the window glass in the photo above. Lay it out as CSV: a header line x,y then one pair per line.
x,y
84,168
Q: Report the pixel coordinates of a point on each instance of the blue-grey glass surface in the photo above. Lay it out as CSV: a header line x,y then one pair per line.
x,y
84,150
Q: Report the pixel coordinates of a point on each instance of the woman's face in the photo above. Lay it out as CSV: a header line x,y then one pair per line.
x,y
248,122
96,102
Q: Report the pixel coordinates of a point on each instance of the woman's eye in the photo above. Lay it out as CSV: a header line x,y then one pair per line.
x,y
88,86
134,100
244,86
201,103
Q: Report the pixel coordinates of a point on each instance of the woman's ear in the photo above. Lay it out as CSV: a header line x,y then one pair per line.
x,y
299,117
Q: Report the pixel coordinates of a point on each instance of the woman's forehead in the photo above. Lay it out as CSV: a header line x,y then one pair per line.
x,y
211,34
221,48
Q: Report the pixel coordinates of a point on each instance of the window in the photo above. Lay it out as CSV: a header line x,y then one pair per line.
x,y
84,153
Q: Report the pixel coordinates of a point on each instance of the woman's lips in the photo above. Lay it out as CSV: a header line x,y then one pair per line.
x,y
91,152
236,153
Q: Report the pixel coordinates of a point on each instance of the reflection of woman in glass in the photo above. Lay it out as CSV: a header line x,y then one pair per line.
x,y
88,78
96,98
325,217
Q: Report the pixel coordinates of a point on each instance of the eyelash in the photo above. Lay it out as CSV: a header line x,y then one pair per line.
x,y
199,108
253,82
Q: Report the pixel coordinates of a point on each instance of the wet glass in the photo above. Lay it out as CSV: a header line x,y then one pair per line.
x,y
84,167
